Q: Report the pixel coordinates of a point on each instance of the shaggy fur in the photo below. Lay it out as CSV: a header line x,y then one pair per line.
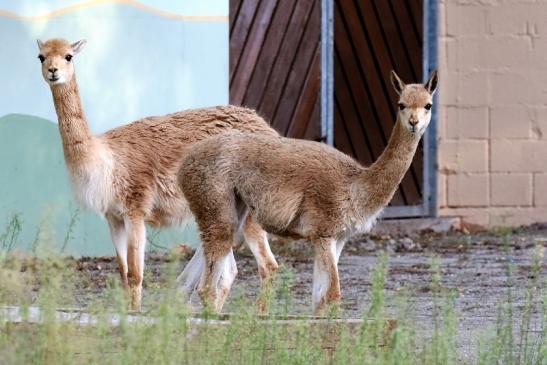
x,y
296,188
129,173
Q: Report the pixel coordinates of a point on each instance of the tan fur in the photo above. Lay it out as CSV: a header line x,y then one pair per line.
x,y
296,188
129,173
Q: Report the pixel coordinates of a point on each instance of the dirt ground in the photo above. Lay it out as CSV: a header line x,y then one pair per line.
x,y
475,265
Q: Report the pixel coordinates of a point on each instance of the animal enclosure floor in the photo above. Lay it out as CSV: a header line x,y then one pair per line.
x,y
474,266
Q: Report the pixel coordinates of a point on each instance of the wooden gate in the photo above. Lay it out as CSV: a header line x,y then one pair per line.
x,y
371,37
275,67
275,62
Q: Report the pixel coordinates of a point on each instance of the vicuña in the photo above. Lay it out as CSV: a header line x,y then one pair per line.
x,y
296,188
129,174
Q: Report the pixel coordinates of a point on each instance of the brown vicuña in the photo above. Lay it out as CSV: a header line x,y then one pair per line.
x,y
296,188
128,174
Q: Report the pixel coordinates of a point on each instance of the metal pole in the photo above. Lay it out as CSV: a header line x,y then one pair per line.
x,y
327,70
430,139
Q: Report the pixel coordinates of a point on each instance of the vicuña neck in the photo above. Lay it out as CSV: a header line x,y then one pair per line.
x,y
379,182
75,132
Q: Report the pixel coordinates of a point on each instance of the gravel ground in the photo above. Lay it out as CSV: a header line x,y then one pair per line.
x,y
474,265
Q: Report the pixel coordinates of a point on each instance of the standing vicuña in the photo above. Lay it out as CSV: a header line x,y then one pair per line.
x,y
129,173
297,188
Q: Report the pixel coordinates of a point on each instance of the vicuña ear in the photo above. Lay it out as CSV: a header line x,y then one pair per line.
x,y
77,47
40,44
431,84
397,83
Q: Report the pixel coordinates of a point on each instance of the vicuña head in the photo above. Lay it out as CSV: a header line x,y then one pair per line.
x,y
56,57
415,102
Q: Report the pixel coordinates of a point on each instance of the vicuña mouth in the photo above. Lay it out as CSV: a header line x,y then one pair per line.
x,y
53,79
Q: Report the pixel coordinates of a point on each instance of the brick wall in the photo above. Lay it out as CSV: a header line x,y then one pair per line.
x,y
493,111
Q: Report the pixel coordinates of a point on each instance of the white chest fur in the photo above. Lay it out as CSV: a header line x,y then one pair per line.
x,y
92,181
359,224
367,223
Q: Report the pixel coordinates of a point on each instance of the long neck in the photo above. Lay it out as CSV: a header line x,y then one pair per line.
x,y
75,132
378,183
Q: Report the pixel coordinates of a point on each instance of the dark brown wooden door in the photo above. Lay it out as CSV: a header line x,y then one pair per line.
x,y
371,37
275,62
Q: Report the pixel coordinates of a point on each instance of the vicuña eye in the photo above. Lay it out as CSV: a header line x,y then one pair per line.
x,y
428,106
402,106
41,58
68,57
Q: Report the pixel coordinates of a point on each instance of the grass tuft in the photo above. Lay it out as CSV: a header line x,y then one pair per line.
x,y
169,333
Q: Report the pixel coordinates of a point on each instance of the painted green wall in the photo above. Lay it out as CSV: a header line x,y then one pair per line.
x,y
142,58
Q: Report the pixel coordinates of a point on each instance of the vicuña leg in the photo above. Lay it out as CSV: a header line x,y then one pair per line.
x,y
227,278
217,249
135,259
339,247
192,273
326,285
257,240
118,233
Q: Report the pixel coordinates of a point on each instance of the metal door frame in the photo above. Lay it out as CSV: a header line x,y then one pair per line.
x,y
428,207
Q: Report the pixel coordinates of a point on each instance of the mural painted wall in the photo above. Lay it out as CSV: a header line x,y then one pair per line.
x,y
142,58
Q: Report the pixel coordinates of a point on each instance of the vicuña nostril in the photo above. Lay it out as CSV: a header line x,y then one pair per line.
x,y
413,122
52,70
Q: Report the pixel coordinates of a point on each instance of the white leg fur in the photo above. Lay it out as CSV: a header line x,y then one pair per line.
x,y
118,233
211,277
136,245
260,249
191,275
339,247
227,277
140,227
321,275
320,284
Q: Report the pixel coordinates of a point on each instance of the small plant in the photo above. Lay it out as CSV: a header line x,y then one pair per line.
x,y
153,240
169,333
529,348
10,237
70,230
442,348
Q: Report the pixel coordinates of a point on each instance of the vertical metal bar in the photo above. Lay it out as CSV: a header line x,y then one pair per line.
x,y
430,137
327,70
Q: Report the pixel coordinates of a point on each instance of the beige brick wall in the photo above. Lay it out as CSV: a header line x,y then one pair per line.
x,y
493,111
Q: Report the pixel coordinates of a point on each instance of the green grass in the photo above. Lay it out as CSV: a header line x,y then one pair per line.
x,y
169,334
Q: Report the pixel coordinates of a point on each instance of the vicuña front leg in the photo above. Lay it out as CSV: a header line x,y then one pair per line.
x,y
119,237
257,240
326,285
135,259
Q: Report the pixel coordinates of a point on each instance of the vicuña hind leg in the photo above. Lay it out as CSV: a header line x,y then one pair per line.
x,y
257,240
192,273
208,285
227,278
326,284
118,233
135,259
217,248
